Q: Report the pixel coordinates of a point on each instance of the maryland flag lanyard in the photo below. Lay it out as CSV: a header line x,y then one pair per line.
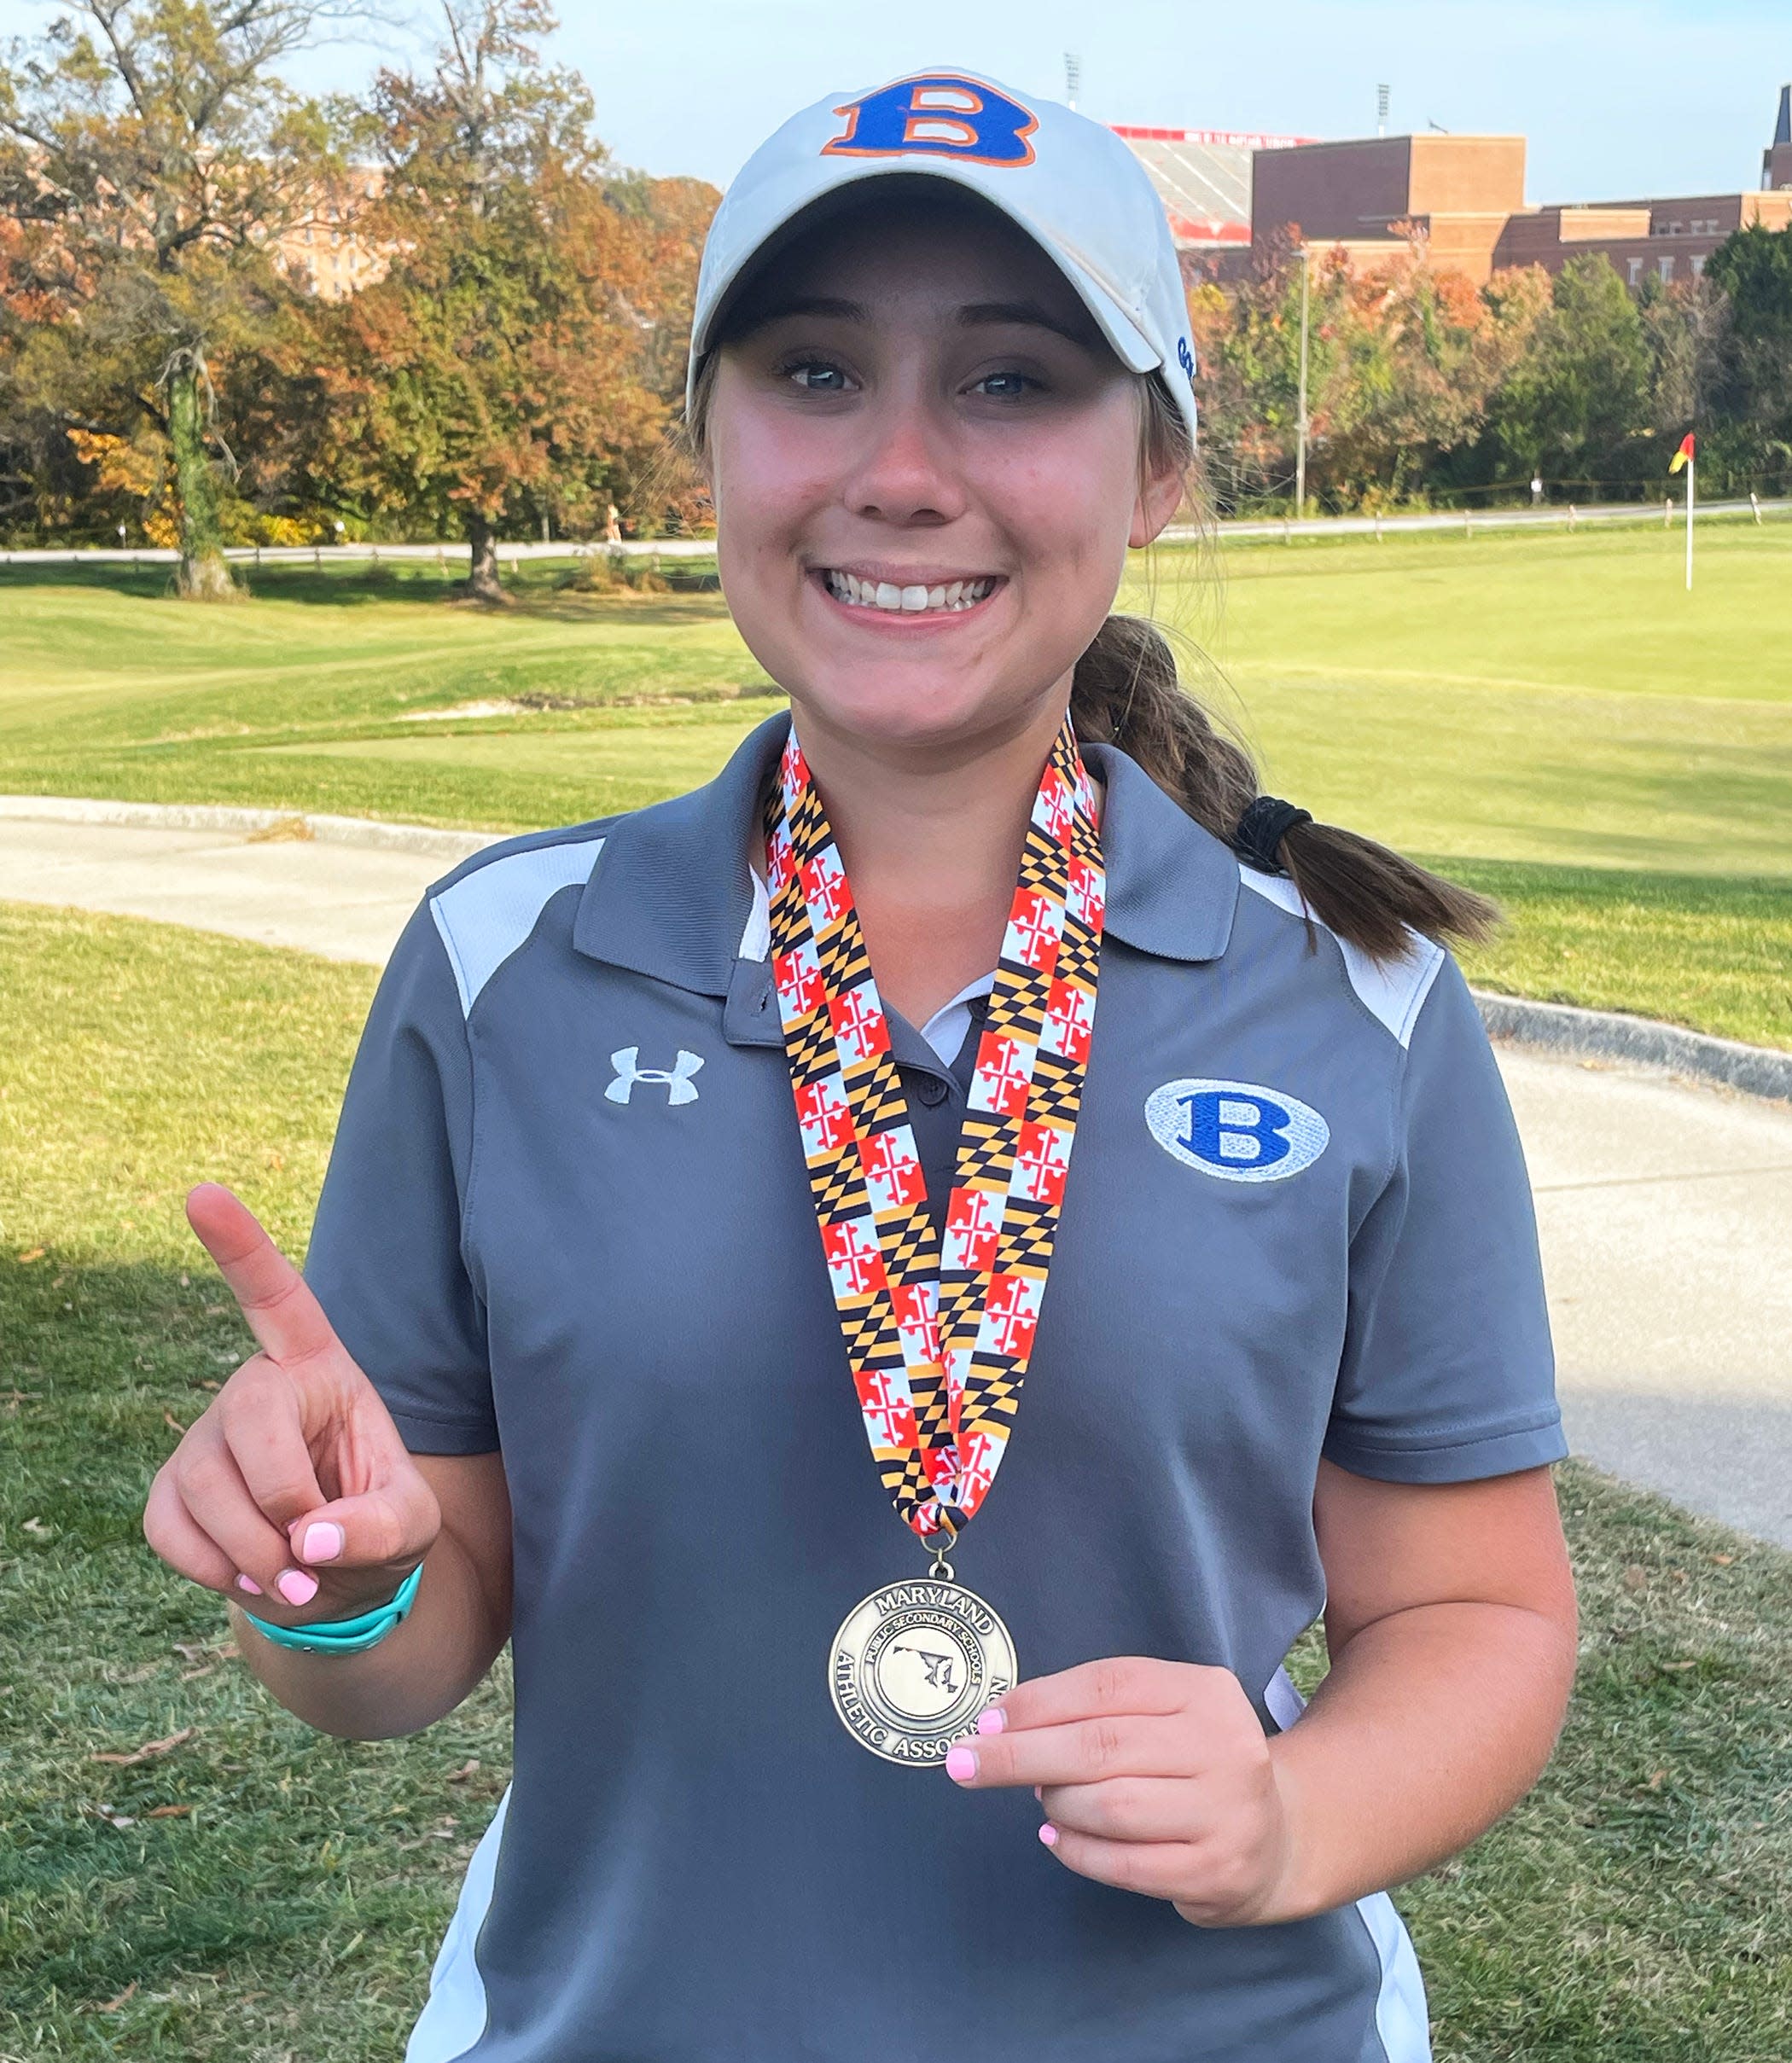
x,y
938,1341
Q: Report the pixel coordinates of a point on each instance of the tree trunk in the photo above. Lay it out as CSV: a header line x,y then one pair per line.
x,y
482,581
203,575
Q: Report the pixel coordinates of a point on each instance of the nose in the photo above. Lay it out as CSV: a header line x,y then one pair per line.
x,y
903,471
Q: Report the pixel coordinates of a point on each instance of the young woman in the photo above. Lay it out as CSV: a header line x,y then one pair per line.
x,y
689,1151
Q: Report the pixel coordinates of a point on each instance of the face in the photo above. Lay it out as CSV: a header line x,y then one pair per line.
x,y
924,459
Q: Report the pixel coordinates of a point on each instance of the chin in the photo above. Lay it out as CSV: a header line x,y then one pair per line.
x,y
899,709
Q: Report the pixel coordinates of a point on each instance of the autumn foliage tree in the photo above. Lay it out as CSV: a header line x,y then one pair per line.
x,y
1402,361
150,160
514,366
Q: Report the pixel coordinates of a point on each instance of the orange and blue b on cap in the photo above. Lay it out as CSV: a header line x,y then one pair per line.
x,y
936,114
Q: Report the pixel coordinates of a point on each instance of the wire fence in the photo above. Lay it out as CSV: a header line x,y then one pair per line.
x,y
1465,522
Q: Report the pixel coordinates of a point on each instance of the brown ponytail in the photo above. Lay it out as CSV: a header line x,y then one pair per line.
x,y
1126,691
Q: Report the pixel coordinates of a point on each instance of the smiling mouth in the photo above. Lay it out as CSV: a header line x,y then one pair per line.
x,y
914,599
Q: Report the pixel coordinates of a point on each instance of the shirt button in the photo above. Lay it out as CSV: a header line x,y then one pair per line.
x,y
931,1090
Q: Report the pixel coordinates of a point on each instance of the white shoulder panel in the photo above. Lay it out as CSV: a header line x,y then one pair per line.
x,y
487,914
756,938
454,2014
1393,989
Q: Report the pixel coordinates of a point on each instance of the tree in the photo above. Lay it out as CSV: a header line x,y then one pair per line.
x,y
1685,325
1580,391
151,158
515,366
1418,350
1400,362
1753,268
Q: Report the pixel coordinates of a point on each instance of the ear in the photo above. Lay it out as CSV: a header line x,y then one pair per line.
x,y
1160,495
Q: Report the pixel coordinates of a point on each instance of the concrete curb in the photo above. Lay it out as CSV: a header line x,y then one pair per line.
x,y
1555,1027
205,816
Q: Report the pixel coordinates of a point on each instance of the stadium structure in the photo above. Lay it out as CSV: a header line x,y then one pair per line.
x,y
1204,178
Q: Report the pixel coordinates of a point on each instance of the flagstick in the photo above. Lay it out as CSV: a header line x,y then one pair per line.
x,y
1691,467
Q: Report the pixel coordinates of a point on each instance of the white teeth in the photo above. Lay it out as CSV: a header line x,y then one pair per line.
x,y
911,599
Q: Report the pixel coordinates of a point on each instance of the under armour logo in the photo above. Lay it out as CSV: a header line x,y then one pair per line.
x,y
680,1088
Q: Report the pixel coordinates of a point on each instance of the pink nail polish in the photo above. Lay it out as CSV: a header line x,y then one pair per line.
x,y
992,1721
248,1583
323,1541
1049,1834
961,1765
296,1587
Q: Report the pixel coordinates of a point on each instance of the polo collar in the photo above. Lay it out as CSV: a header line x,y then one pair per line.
x,y
658,903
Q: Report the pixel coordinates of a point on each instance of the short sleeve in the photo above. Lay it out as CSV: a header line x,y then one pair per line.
x,y
1448,1370
386,1256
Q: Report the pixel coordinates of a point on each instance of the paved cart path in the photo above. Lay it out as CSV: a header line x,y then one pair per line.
x,y
1665,1208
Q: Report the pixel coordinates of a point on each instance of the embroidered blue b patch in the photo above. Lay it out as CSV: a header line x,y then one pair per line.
x,y
936,114
1238,1130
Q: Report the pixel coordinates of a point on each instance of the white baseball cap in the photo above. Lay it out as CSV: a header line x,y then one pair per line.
x,y
1069,183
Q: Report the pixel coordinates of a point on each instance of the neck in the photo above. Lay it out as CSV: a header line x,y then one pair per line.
x,y
931,839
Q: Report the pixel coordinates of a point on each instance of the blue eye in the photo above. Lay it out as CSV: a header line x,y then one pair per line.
x,y
802,368
1013,384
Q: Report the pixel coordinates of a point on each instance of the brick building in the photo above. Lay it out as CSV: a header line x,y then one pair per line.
x,y
329,253
1465,196
1460,191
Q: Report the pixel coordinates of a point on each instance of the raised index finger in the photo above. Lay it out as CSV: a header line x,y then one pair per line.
x,y
282,1313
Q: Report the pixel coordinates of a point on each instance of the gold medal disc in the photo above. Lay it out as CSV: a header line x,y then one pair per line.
x,y
915,1664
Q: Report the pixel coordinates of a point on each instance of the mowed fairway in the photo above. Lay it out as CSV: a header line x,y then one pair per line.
x,y
1550,717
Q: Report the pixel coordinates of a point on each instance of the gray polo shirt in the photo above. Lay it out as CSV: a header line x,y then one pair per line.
x,y
566,1216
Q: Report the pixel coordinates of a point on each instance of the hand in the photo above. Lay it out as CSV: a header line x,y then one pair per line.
x,y
294,1476
1156,1777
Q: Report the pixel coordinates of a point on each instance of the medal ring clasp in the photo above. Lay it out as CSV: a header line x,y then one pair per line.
x,y
939,1568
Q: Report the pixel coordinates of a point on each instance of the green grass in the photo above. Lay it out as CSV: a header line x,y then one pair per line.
x,y
1550,717
1634,1909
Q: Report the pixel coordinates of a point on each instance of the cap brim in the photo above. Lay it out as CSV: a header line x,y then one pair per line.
x,y
1121,332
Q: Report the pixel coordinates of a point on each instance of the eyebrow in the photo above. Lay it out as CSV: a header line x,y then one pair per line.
x,y
971,315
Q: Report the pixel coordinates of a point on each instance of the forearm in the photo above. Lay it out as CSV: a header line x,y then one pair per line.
x,y
1432,1722
419,1672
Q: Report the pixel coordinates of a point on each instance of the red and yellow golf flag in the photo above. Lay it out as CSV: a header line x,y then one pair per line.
x,y
1683,456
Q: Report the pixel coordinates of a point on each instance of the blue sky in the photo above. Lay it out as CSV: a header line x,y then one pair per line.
x,y
1648,96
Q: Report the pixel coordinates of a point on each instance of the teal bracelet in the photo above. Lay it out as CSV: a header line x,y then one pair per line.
x,y
345,1635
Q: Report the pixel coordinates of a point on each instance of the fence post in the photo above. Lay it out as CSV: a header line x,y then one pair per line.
x,y
317,557
1754,503
258,554
1378,527
1288,531
1666,511
1468,524
1572,512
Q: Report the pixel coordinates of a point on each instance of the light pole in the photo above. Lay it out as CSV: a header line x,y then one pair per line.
x,y
1300,447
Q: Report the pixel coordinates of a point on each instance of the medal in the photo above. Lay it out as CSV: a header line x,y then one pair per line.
x,y
914,1664
939,1334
